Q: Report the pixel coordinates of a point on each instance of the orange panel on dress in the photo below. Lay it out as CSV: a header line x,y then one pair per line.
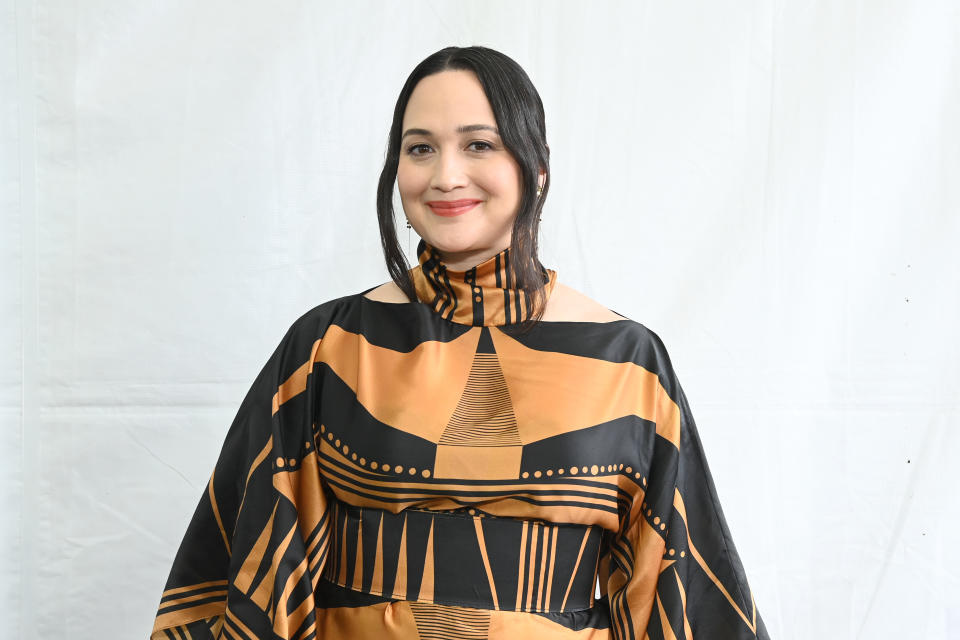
x,y
477,463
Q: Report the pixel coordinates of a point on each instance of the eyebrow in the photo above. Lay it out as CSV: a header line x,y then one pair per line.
x,y
467,128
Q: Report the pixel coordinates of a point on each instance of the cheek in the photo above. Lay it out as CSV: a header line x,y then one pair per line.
x,y
504,180
411,181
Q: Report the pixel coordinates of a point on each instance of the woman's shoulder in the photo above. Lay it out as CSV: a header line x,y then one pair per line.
x,y
387,292
566,304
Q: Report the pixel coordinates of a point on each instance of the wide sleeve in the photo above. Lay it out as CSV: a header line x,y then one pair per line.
x,y
673,569
256,543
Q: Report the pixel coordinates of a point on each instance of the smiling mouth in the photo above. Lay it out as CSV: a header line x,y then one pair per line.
x,y
451,208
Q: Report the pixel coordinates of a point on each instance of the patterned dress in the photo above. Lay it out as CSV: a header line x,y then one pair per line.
x,y
430,470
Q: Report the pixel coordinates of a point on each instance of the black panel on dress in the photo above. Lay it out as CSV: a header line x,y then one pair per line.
x,y
453,548
418,531
397,326
350,422
331,595
596,617
627,439
504,554
618,341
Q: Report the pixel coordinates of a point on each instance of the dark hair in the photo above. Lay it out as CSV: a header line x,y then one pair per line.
x,y
519,115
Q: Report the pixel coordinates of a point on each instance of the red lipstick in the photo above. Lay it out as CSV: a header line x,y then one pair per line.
x,y
450,208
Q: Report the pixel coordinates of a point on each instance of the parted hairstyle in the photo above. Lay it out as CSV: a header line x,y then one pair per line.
x,y
519,115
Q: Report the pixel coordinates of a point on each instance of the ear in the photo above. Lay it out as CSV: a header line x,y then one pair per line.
x,y
541,178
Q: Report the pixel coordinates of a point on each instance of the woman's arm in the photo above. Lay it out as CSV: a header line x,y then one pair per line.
x,y
674,571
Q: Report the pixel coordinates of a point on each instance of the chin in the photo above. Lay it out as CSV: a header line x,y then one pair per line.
x,y
460,238
453,241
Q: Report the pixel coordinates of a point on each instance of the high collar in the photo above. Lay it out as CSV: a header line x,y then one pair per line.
x,y
484,295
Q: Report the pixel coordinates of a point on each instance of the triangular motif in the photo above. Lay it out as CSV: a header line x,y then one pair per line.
x,y
484,415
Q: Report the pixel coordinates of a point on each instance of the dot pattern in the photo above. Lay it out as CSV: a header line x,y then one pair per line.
x,y
375,465
388,467
656,521
586,470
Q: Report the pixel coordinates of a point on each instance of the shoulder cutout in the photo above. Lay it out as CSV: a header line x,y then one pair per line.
x,y
569,305
387,292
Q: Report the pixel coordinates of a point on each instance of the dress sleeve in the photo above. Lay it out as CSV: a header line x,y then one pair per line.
x,y
674,572
256,542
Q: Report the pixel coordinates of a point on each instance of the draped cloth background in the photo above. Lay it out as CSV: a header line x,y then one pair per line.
x,y
770,186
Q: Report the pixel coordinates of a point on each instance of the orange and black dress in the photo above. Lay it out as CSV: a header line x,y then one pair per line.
x,y
426,470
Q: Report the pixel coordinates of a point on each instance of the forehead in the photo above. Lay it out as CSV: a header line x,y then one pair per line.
x,y
447,100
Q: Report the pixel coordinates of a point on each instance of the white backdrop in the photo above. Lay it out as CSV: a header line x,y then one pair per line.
x,y
772,186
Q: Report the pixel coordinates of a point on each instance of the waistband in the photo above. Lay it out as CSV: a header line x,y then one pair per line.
x,y
464,558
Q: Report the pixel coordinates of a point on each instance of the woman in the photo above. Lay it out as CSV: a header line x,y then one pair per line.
x,y
471,449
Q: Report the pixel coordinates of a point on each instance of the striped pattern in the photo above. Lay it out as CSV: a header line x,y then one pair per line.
x,y
182,605
205,628
531,581
484,416
438,622
588,499
484,295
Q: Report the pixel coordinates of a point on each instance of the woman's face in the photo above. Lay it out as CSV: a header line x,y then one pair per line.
x,y
459,186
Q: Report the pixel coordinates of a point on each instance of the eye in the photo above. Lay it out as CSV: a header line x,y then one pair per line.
x,y
418,149
480,145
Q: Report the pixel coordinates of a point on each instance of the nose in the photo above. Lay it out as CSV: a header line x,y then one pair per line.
x,y
449,172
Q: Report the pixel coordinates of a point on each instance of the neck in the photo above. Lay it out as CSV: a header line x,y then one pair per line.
x,y
484,294
463,260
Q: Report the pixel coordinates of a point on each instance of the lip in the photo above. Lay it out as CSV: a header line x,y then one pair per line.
x,y
451,208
